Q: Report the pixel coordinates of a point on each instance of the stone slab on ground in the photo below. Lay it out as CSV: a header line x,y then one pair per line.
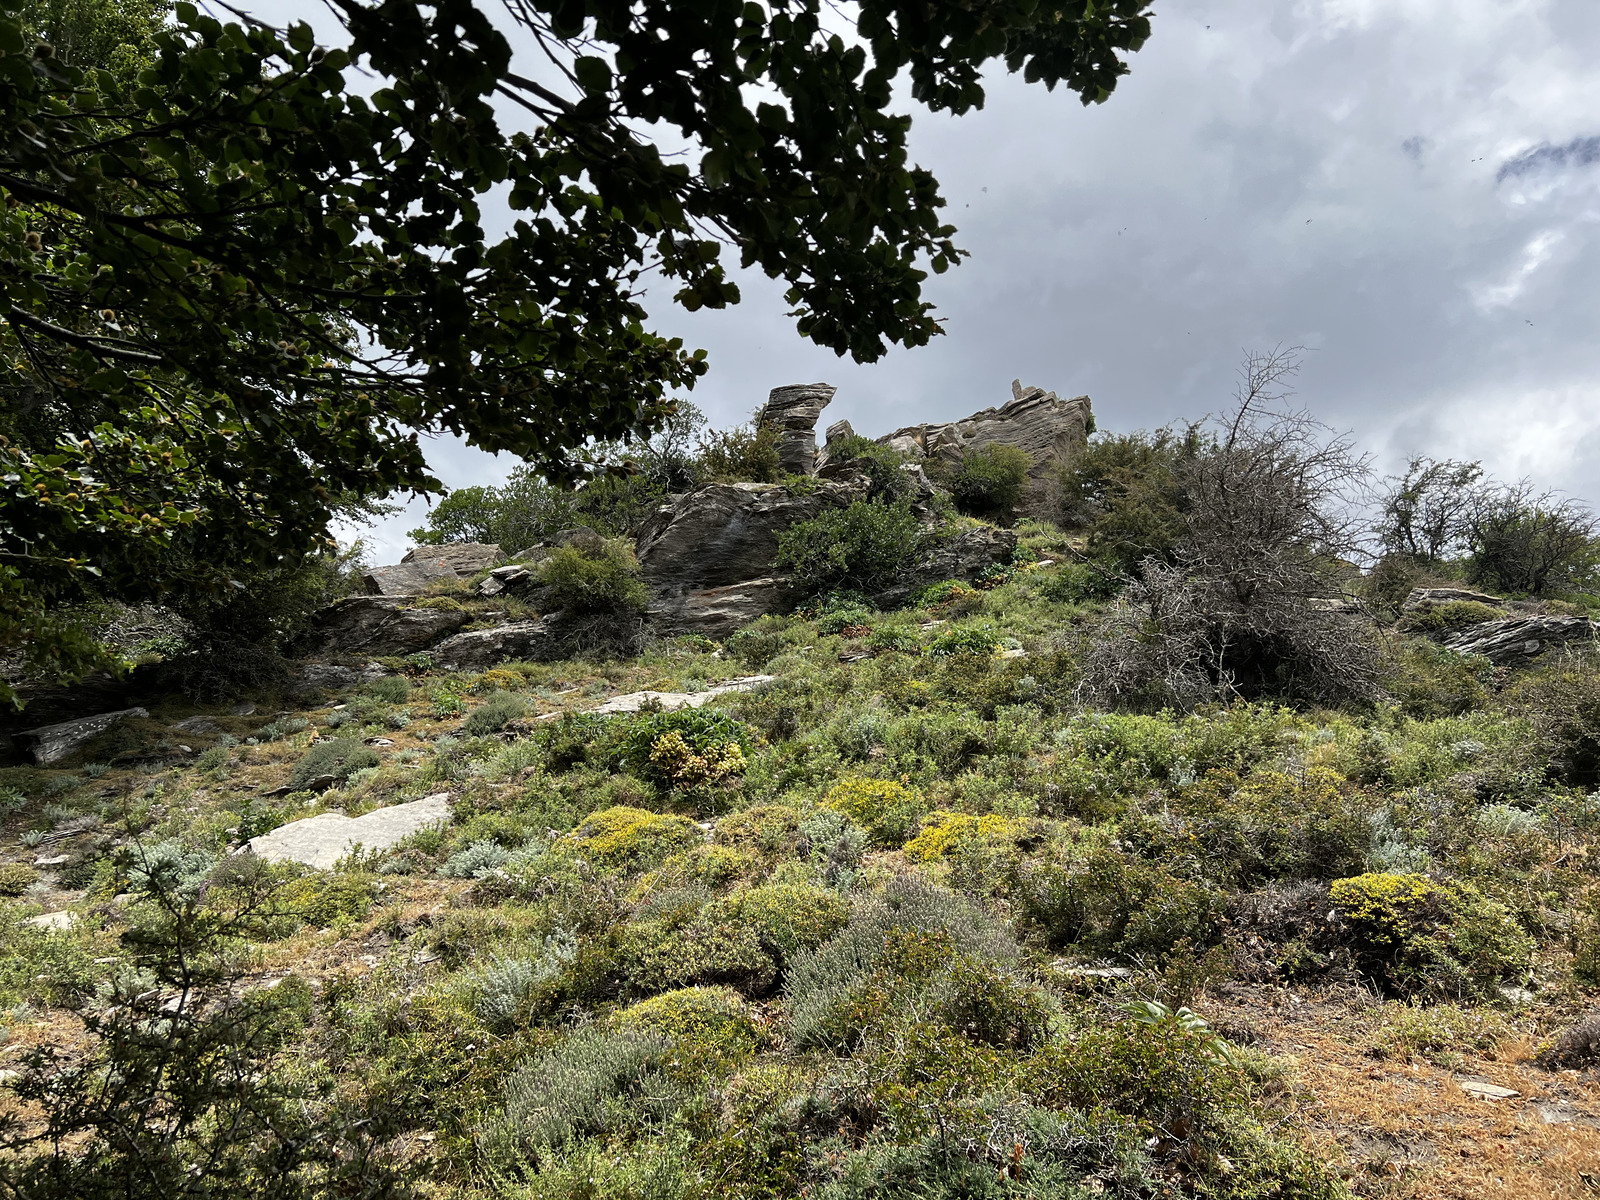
x,y
53,920
633,702
51,743
323,840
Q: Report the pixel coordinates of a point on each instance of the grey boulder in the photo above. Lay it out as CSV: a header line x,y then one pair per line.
x,y
404,579
727,533
959,557
310,680
480,649
459,558
51,743
375,625
719,611
1515,640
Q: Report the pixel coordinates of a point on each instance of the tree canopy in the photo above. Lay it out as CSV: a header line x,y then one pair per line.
x,y
238,281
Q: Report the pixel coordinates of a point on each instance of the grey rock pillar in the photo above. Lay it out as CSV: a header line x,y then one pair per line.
x,y
792,411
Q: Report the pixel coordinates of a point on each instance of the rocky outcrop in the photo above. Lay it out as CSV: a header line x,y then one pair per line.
x,y
480,649
1424,598
792,412
365,626
1513,641
321,841
1051,430
48,744
309,681
461,558
726,533
719,611
960,557
404,579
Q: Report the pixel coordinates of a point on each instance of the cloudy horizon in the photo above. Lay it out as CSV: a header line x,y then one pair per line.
x,y
1407,189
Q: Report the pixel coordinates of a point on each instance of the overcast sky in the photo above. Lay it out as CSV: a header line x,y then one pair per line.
x,y
1409,188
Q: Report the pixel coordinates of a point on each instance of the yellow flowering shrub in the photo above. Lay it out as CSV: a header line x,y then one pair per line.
x,y
943,831
886,809
675,760
624,837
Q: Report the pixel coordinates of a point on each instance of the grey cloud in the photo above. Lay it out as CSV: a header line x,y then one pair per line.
x,y
1579,152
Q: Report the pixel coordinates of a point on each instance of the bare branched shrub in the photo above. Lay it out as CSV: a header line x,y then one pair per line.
x,y
1524,540
1252,604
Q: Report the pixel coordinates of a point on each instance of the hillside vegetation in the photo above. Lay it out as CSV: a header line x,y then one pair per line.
x,y
911,919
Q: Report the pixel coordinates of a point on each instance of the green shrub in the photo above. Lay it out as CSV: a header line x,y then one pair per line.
x,y
743,455
840,619
1413,934
881,464
979,640
494,714
1428,681
1440,620
569,1091
391,689
16,878
866,546
699,1021
282,727
338,757
323,899
1438,1032
1079,583
624,838
770,829
936,595
990,479
673,953
595,575
905,638
887,810
787,918
692,748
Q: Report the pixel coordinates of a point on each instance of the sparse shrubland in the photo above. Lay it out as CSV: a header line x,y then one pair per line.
x,y
1128,868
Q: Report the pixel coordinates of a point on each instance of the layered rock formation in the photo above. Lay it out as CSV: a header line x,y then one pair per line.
x,y
1512,641
1052,432
792,411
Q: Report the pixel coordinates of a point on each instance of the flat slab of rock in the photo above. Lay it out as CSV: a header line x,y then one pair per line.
x,y
1482,1089
635,701
51,743
321,841
378,625
1512,641
459,558
53,920
405,579
1420,598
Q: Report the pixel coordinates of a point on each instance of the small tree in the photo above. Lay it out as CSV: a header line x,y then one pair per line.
x,y
1426,513
864,546
1531,542
177,1089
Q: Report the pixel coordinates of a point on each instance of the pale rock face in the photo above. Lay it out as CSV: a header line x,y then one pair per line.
x,y
461,558
1424,598
793,411
378,625
1052,432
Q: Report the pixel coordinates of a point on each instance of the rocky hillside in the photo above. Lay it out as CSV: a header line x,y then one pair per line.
x,y
570,872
